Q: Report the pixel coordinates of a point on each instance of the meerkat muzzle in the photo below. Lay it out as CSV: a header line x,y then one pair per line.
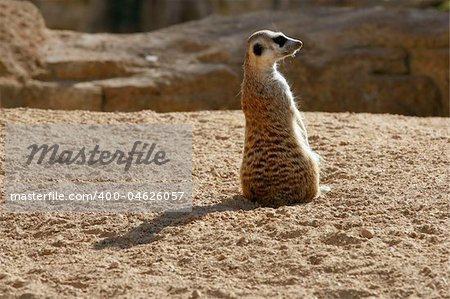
x,y
293,46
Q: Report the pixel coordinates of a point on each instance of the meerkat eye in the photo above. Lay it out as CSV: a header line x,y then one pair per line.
x,y
257,49
279,40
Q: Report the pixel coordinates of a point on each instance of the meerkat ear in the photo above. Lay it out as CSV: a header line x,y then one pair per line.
x,y
257,49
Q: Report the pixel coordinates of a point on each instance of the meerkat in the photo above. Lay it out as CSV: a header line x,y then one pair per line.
x,y
278,166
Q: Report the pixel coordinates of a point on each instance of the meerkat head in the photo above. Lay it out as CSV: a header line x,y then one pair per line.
x,y
265,48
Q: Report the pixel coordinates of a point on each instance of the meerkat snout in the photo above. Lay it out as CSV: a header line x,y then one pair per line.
x,y
268,47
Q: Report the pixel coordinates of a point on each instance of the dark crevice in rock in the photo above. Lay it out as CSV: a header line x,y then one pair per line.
x,y
103,100
407,60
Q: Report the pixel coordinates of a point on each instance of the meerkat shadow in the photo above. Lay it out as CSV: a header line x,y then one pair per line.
x,y
150,230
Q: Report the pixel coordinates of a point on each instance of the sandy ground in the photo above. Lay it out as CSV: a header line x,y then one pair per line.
x,y
383,231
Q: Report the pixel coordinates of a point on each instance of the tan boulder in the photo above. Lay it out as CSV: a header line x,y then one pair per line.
x,y
22,32
51,95
192,87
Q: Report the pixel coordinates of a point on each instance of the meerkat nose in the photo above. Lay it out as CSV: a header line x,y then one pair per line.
x,y
295,44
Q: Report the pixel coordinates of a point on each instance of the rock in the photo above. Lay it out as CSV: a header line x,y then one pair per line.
x,y
22,31
196,294
340,239
19,283
4,275
28,296
427,271
413,234
84,69
60,242
365,59
192,87
51,95
430,62
114,265
367,233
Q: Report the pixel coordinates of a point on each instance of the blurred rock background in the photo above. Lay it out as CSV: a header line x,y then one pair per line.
x,y
126,16
359,55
